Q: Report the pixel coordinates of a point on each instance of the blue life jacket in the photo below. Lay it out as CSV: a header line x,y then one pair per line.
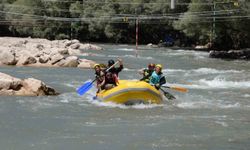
x,y
155,78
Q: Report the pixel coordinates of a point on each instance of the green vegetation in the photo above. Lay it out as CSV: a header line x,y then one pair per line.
x,y
222,22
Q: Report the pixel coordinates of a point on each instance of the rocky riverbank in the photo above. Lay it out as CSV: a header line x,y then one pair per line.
x,y
44,53
12,86
232,54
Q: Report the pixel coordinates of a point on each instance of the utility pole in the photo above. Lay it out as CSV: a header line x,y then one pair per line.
x,y
137,28
213,33
172,5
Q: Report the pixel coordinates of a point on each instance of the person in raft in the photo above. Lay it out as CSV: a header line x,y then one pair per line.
x,y
115,70
100,77
157,78
110,81
147,72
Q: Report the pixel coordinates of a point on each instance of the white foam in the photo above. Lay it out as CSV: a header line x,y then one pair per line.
x,y
127,69
201,71
207,104
126,49
185,52
224,124
216,83
222,83
214,71
141,57
246,95
173,70
114,105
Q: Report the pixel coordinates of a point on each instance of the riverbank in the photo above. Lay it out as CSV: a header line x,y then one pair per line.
x,y
243,54
231,54
44,53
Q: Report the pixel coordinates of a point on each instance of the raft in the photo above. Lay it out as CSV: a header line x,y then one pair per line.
x,y
130,92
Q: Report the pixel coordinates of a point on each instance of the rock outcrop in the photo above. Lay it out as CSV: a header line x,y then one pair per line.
x,y
232,54
28,87
43,53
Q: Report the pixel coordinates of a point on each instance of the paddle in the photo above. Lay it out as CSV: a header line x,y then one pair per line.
x,y
89,84
180,89
167,95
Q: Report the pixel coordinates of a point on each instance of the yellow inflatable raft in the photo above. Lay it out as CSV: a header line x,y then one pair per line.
x,y
131,92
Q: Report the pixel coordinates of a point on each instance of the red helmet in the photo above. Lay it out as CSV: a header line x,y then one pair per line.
x,y
151,65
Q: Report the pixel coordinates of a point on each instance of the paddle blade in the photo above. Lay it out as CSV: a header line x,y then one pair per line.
x,y
84,88
169,96
181,89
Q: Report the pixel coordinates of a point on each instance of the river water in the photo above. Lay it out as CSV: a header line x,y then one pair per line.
x,y
213,115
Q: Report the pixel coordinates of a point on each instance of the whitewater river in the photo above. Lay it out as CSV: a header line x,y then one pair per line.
x,y
213,115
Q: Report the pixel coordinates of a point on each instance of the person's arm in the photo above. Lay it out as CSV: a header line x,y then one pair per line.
x,y
119,69
116,79
102,83
162,80
141,71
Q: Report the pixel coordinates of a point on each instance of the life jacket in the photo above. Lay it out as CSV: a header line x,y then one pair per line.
x,y
155,78
146,75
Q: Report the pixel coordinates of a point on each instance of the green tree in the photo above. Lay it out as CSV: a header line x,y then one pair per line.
x,y
223,22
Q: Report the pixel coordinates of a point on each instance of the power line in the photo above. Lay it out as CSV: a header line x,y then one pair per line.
x,y
134,3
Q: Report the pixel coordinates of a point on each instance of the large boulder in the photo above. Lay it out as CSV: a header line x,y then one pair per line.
x,y
8,82
90,47
85,63
26,60
44,59
28,87
71,61
63,51
37,88
56,58
74,51
7,57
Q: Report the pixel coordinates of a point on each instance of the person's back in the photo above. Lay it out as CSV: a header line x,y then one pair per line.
x,y
110,81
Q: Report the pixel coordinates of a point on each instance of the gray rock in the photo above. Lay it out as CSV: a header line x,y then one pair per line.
x,y
44,59
232,54
37,87
63,51
75,46
90,47
56,58
40,47
26,60
7,58
84,63
71,61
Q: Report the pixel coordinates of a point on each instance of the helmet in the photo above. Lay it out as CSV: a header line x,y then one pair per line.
x,y
159,65
151,65
97,65
111,62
